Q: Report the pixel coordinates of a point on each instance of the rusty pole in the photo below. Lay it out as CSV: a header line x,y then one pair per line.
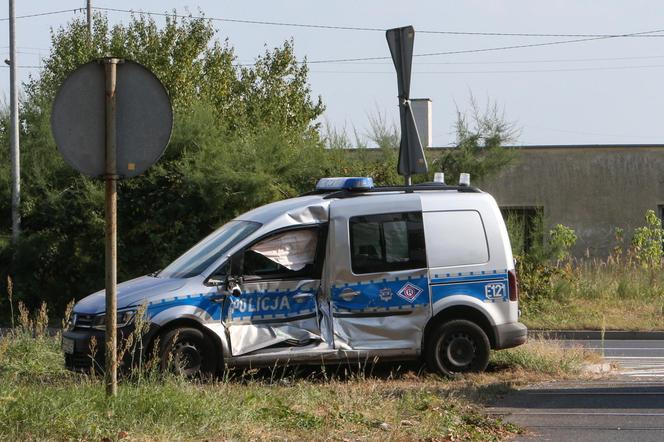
x,y
89,16
111,177
14,128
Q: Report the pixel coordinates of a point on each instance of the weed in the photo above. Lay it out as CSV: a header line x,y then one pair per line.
x,y
543,356
40,400
10,296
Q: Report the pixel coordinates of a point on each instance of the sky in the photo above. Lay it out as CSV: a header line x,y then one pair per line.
x,y
584,92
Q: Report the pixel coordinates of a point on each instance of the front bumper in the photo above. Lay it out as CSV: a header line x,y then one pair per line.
x,y
510,335
87,356
87,353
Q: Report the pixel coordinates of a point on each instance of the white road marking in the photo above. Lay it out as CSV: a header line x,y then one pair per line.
x,y
569,413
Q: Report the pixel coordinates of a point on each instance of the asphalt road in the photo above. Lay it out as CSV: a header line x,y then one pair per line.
x,y
627,407
637,358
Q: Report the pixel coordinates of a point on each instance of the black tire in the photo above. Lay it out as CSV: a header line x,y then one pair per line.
x,y
457,347
188,352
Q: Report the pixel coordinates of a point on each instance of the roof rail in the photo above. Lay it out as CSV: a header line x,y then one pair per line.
x,y
405,189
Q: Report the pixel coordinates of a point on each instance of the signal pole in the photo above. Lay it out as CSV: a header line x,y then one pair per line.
x,y
89,11
13,128
111,179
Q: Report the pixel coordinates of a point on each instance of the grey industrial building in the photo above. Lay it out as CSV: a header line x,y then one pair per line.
x,y
590,188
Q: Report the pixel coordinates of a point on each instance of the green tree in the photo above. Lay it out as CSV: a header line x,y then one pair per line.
x,y
481,136
647,242
243,136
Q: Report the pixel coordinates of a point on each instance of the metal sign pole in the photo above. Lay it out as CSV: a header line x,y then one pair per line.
x,y
14,128
89,16
118,134
111,177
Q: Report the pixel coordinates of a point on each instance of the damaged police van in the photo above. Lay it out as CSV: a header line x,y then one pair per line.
x,y
348,272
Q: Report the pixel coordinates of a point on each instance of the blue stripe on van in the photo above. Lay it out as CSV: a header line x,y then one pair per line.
x,y
486,288
473,278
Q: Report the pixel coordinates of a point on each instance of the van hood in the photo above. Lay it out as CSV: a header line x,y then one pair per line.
x,y
130,293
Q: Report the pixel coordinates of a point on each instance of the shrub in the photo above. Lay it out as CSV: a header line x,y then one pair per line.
x,y
647,242
561,240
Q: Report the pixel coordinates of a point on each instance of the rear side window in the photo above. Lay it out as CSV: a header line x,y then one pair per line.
x,y
455,238
387,242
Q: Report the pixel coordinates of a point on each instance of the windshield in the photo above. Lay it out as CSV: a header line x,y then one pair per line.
x,y
195,260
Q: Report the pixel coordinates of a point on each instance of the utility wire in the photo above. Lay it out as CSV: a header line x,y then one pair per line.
x,y
26,47
519,71
499,48
40,14
591,37
251,22
585,37
530,34
534,61
369,29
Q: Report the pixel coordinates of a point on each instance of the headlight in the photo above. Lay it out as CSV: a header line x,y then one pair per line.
x,y
72,322
124,318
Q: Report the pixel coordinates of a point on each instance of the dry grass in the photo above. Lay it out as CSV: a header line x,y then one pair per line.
x,y
600,295
40,400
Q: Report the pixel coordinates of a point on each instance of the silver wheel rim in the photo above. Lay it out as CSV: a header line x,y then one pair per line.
x,y
459,351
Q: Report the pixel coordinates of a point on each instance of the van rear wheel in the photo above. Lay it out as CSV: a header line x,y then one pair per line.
x,y
188,352
457,347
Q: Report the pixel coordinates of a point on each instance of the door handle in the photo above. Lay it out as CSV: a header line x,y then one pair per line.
x,y
217,297
348,294
300,297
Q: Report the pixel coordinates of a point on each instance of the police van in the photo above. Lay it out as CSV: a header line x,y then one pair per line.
x,y
348,272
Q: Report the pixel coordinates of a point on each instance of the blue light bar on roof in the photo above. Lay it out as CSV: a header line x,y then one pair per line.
x,y
345,183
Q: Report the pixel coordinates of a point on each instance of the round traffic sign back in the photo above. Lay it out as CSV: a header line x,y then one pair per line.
x,y
144,119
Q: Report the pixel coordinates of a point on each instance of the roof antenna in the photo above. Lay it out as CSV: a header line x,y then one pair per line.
x,y
411,154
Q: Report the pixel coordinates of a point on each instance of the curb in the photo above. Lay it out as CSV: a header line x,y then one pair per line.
x,y
602,368
618,335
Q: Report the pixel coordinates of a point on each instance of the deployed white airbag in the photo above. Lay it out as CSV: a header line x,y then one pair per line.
x,y
293,250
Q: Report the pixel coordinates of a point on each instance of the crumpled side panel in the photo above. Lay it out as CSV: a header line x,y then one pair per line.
x,y
250,337
375,333
271,312
311,214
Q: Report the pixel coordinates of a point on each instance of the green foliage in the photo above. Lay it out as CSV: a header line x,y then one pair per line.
x,y
536,279
561,240
481,136
516,229
647,242
539,267
243,136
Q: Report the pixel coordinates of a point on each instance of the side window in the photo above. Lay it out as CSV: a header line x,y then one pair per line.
x,y
456,238
387,242
283,255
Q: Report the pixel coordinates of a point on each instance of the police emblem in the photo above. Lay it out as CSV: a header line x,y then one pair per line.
x,y
409,292
385,294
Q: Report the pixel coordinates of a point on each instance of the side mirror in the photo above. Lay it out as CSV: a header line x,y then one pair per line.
x,y
215,281
234,285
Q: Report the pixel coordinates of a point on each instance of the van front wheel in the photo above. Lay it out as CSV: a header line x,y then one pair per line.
x,y
188,352
456,347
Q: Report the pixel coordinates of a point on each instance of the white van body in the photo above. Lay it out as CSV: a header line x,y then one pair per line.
x,y
335,276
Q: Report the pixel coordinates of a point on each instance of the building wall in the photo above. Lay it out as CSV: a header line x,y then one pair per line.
x,y
592,189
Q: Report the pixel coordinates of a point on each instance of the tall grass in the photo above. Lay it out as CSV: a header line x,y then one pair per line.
x,y
40,400
615,294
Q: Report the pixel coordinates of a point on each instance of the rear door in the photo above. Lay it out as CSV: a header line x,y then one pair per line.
x,y
378,273
278,306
